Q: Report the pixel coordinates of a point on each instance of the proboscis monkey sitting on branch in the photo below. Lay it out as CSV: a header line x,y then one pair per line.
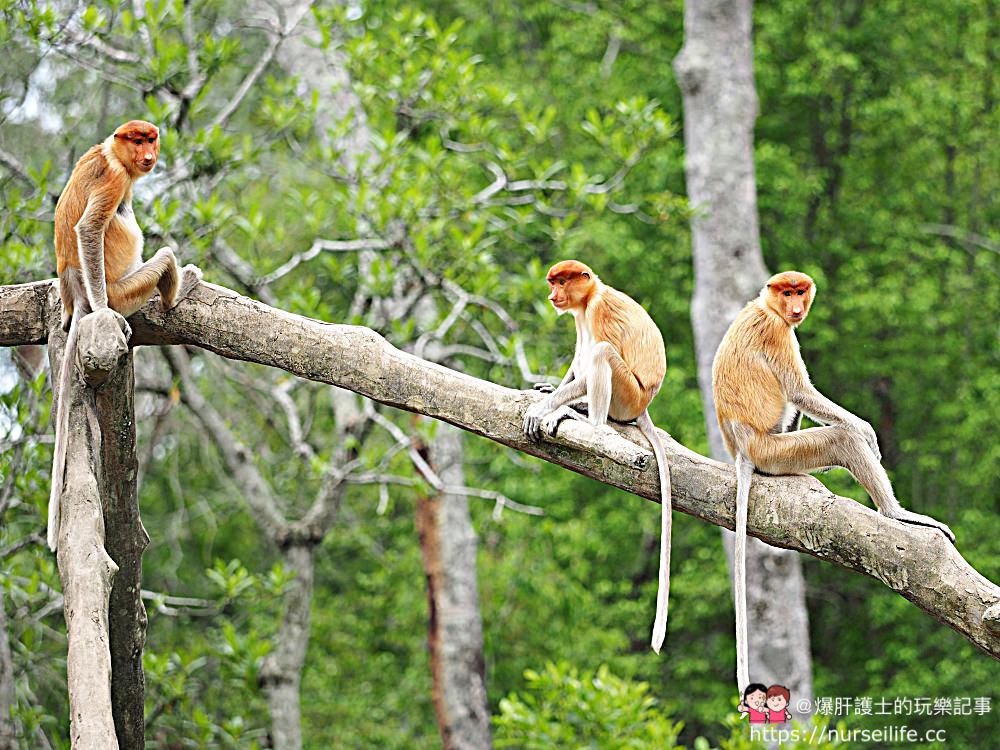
x,y
619,364
762,389
99,258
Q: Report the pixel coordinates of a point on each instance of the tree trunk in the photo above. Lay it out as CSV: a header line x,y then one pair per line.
x,y
455,631
7,739
85,568
125,541
715,73
319,70
281,673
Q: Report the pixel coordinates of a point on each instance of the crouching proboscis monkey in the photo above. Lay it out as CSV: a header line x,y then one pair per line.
x,y
762,389
99,259
619,364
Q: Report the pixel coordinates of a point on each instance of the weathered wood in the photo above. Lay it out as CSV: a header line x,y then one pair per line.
x,y
102,450
792,512
85,569
126,541
23,310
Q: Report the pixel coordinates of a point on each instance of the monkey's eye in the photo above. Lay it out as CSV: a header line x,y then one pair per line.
x,y
788,293
562,282
801,292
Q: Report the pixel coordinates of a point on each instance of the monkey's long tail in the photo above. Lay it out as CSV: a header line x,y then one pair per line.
x,y
62,428
646,427
744,474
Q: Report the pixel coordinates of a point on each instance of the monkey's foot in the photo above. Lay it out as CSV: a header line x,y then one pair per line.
x,y
190,278
544,387
918,519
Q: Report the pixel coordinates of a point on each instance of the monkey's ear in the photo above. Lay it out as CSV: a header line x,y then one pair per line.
x,y
586,275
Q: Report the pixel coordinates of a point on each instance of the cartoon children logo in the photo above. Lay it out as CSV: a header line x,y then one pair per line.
x,y
754,703
765,705
777,704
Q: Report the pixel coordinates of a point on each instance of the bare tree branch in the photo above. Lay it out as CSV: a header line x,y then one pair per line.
x,y
964,236
793,512
319,246
236,455
244,88
81,38
15,167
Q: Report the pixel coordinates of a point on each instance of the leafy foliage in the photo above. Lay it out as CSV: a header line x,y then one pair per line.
x,y
563,708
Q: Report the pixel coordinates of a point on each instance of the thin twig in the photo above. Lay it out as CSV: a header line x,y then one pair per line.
x,y
319,246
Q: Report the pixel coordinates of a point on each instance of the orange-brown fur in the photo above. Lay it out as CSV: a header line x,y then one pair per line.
x,y
619,364
761,388
99,257
95,227
619,320
759,343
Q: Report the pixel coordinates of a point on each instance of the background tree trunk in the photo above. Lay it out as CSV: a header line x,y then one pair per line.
x,y
455,630
281,674
448,541
715,73
7,739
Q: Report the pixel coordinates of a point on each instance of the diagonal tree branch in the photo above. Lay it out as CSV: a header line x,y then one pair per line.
x,y
793,512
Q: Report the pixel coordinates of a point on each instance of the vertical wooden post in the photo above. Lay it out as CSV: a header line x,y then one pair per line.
x,y
105,619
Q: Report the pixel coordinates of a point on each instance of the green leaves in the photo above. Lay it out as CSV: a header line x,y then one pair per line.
x,y
561,707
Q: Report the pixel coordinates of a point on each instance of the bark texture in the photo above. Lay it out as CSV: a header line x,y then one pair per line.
x,y
126,541
85,568
715,72
281,673
455,631
794,512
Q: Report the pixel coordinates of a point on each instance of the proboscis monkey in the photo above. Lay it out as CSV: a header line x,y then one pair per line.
x,y
99,258
761,389
619,364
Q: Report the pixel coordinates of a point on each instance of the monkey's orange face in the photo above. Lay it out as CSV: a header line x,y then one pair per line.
x,y
561,294
790,295
569,284
138,145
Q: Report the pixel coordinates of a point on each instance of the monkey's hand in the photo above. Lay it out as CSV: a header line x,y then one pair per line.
x,y
544,387
553,419
533,418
